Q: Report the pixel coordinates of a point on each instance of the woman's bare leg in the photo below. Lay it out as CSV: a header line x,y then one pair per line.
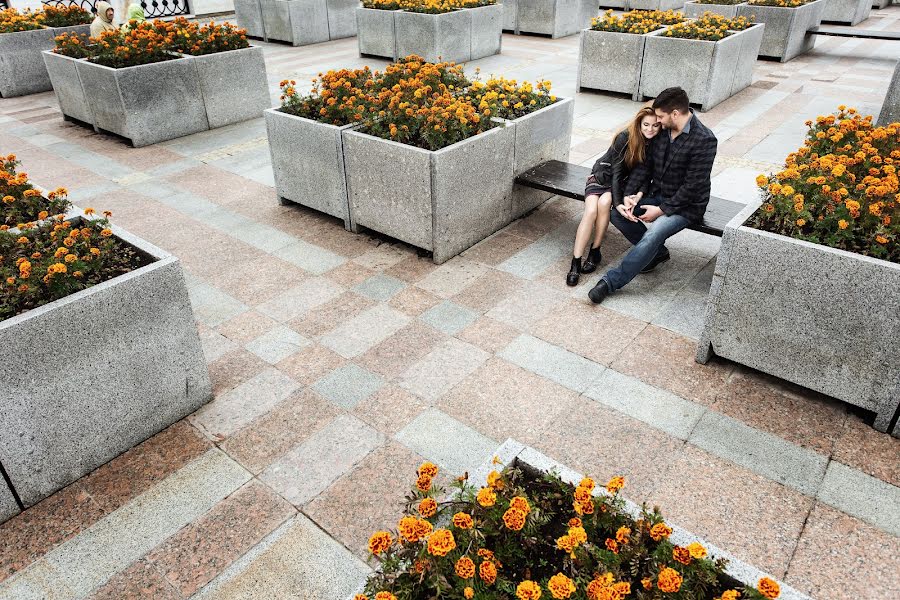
x,y
604,205
588,219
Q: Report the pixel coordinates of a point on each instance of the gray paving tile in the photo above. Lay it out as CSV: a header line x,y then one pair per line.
x,y
863,496
555,363
211,305
354,337
348,385
535,258
658,408
277,344
380,287
215,345
449,317
684,314
90,160
309,257
762,453
442,368
309,294
454,447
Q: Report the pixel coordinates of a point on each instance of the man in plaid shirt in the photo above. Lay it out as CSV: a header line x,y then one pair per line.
x,y
677,175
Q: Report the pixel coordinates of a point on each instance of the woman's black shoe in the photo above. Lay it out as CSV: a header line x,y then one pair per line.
x,y
574,271
593,260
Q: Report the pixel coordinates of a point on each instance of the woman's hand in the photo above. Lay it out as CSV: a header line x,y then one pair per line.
x,y
626,212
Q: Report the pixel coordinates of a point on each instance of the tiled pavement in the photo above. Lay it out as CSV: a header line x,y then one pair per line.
x,y
340,361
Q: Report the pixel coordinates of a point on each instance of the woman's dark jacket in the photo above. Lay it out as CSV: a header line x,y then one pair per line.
x,y
611,171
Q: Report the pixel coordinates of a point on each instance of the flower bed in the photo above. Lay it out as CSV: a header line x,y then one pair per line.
x,y
23,36
528,534
85,306
726,8
787,25
612,51
160,80
806,286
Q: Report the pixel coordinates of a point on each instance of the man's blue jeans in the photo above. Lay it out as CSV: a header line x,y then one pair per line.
x,y
648,243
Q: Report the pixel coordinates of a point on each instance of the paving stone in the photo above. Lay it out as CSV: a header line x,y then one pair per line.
x,y
487,291
534,259
215,345
300,299
246,327
346,386
309,257
449,317
871,452
212,306
324,318
277,344
442,368
451,277
552,362
140,579
306,471
489,335
233,369
451,445
310,364
380,287
393,356
389,409
862,496
527,305
360,333
413,301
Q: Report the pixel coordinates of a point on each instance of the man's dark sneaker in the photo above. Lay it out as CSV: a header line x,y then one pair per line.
x,y
593,259
660,259
599,292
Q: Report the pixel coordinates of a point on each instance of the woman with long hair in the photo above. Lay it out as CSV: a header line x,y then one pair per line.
x,y
606,188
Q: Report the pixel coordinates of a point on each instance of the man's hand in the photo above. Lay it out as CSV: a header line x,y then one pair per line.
x,y
631,201
651,214
626,212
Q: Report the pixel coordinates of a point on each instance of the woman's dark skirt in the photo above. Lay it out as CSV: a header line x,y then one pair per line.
x,y
593,188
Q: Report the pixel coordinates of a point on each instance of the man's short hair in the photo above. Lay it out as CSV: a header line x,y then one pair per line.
x,y
673,98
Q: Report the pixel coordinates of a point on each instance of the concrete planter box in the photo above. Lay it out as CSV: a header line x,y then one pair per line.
x,y
510,15
375,32
200,8
556,18
22,70
695,9
298,22
611,61
444,201
129,366
890,110
8,505
308,162
616,4
881,3
341,18
540,136
771,307
655,4
786,34
848,12
233,85
709,72
67,85
248,14
487,30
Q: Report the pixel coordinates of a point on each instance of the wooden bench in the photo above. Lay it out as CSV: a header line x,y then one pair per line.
x,y
853,32
565,179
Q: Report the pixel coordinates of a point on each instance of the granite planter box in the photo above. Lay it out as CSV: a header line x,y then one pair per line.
x,y
890,110
556,18
487,30
786,307
22,69
375,33
70,95
540,136
694,9
444,201
655,4
709,72
611,61
881,3
89,376
848,12
8,505
233,85
510,15
248,14
458,36
786,34
298,22
308,162
341,18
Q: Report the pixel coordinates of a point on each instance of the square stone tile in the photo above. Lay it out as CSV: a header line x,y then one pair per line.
x,y
489,335
380,287
413,301
355,336
311,363
535,258
348,385
442,368
389,409
233,369
349,274
141,579
451,277
320,320
215,345
212,306
872,452
527,305
258,280
395,354
451,445
383,256
449,317
300,299
411,269
488,290
309,257
862,496
277,344
246,327
554,363
497,248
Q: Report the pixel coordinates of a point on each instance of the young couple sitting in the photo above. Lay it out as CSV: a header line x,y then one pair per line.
x,y
657,173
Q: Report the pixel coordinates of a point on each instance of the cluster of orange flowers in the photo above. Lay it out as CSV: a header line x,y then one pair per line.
x,y
512,99
780,3
477,553
710,26
12,21
426,6
153,41
840,189
636,21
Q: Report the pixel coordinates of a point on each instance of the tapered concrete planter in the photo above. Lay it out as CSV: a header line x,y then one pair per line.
x,y
881,3
616,4
487,31
298,22
709,72
446,36
556,18
822,318
655,4
540,136
695,9
847,12
89,376
786,34
233,85
248,14
22,69
67,87
890,109
341,18
611,61
443,201
308,162
8,505
375,32
510,15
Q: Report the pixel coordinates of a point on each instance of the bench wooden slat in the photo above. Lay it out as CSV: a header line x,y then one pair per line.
x,y
567,179
854,32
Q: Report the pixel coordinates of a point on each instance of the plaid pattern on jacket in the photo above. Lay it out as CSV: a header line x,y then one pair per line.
x,y
683,181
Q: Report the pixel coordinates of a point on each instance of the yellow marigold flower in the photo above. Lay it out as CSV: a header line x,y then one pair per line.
x,y
560,586
801,222
843,224
495,480
520,503
380,542
578,534
514,519
730,595
408,528
428,469
43,215
612,545
768,588
881,239
697,550
95,251
622,535
463,520
528,590
762,180
11,280
486,497
647,583
587,483
469,593
8,199
615,484
682,555
70,258
669,580
22,240
77,274
487,570
106,232
465,568
89,211
441,542
385,596
660,531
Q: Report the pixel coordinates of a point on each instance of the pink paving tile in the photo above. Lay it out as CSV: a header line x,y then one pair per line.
x,y
349,274
224,188
384,256
840,557
389,409
311,363
488,290
195,555
411,269
497,248
413,301
233,369
395,354
47,169
488,334
246,327
527,305
253,281
139,581
872,452
319,321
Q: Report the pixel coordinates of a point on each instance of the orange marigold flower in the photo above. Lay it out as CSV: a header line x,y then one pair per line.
x,y
881,239
22,240
43,215
697,550
487,570
574,522
385,596
423,483
762,180
428,469
463,520
486,497
380,542
588,483
89,211
843,224
669,580
615,484
660,531
106,232
612,545
495,480
441,542
520,503
647,583
468,593
623,587
730,595
578,534
465,568
427,507
682,555
514,519
360,597
622,535
582,495
528,590
560,586
408,528
566,543
768,588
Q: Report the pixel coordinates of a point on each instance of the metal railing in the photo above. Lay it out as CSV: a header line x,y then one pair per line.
x,y
153,9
